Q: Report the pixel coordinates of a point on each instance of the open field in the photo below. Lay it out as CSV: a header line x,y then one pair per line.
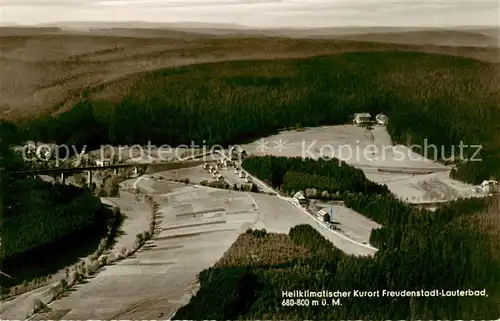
x,y
198,225
34,84
194,174
352,224
350,143
433,187
409,176
279,216
434,98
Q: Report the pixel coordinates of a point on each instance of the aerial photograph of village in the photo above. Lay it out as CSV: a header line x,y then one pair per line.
x,y
249,160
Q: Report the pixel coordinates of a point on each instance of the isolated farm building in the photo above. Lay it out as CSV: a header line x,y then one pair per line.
x,y
382,119
323,215
299,198
362,118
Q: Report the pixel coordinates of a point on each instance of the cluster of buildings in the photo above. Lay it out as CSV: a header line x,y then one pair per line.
x,y
241,174
236,150
37,150
213,170
299,199
366,118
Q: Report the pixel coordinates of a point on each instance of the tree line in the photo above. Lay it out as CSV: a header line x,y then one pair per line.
x,y
445,255
40,220
431,98
418,249
295,174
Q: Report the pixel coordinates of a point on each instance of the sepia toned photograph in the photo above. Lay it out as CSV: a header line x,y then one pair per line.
x,y
249,160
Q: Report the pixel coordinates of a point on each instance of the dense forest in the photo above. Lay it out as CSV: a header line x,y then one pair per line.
x,y
46,228
431,98
456,247
45,214
292,174
450,249
437,99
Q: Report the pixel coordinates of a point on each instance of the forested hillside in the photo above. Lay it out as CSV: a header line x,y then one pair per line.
x,y
438,98
44,227
453,248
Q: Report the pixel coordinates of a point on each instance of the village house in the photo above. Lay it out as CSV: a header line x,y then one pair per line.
x,y
381,119
323,216
362,118
299,198
101,163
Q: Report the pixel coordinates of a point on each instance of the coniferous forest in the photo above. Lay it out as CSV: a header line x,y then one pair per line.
x,y
44,226
454,248
437,99
429,98
295,174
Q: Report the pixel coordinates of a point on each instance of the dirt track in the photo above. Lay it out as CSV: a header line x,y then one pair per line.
x,y
159,278
198,224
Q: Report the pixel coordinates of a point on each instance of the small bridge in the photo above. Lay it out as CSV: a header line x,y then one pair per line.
x,y
89,169
62,171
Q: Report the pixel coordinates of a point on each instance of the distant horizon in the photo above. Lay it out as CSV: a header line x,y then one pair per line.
x,y
261,14
197,24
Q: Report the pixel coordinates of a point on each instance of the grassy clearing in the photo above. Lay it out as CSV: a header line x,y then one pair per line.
x,y
433,99
413,254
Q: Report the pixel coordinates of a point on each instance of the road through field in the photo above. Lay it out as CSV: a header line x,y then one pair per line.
x,y
344,243
196,226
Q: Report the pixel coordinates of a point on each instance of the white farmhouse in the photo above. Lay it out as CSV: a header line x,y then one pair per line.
x,y
382,119
362,118
299,198
323,215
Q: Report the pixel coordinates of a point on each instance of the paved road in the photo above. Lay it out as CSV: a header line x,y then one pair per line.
x,y
337,238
